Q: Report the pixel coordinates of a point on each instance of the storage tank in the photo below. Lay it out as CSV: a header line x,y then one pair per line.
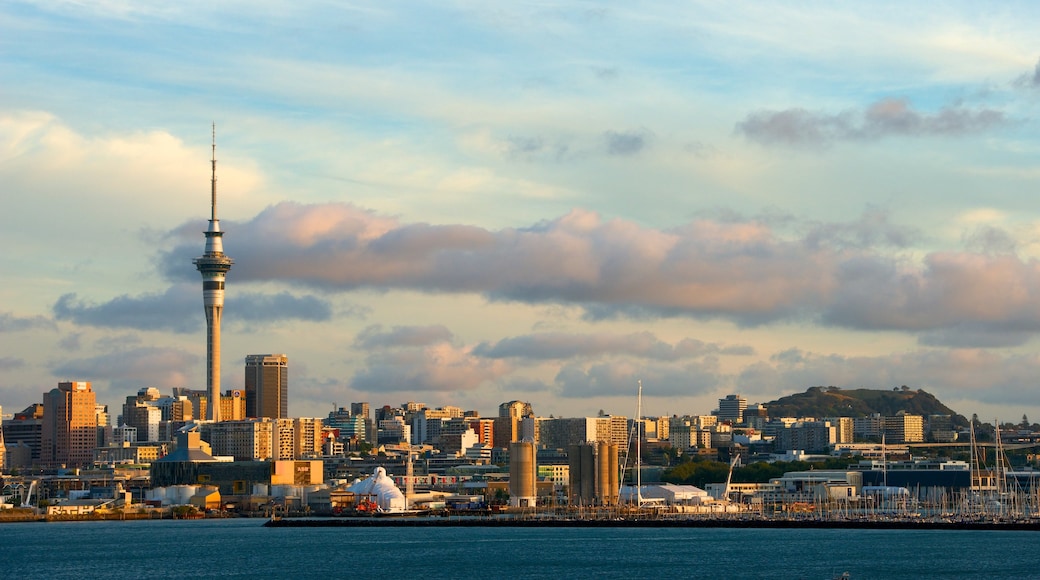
x,y
523,491
602,472
581,459
614,475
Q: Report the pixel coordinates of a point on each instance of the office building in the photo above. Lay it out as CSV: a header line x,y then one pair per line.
x,y
732,409
267,386
69,433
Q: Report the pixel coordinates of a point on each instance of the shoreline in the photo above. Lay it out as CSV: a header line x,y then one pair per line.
x,y
1031,526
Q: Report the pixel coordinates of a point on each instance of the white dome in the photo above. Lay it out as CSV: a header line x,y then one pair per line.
x,y
381,490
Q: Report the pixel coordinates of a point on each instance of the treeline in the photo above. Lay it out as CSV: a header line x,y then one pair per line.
x,y
700,471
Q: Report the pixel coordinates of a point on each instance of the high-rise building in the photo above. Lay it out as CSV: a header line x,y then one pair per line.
x,y
69,433
233,405
363,410
507,424
267,386
213,265
732,409
25,429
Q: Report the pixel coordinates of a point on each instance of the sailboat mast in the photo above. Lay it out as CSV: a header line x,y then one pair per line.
x,y
639,446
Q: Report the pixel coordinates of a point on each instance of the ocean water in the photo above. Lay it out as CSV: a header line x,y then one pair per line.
x,y
242,548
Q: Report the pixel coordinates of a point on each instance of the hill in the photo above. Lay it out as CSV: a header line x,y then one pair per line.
x,y
835,402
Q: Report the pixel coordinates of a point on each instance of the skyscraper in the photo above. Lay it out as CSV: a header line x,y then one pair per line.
x,y
267,386
69,433
213,265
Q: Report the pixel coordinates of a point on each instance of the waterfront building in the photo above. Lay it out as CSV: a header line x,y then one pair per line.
x,y
674,496
69,432
126,452
247,440
3,448
213,266
267,386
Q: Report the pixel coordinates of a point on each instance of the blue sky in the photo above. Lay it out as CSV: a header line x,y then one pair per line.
x,y
468,203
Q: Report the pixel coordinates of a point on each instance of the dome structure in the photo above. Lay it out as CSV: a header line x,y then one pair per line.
x,y
380,489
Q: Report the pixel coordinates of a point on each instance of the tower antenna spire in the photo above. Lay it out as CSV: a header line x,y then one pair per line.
x,y
213,180
213,265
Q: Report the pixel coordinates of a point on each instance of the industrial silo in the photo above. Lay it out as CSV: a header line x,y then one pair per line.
x,y
523,491
581,459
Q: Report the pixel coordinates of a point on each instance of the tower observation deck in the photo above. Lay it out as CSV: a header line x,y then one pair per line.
x,y
213,265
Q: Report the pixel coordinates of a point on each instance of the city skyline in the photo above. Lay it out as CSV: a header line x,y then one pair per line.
x,y
473,204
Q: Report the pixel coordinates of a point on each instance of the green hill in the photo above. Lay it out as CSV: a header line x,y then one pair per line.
x,y
835,402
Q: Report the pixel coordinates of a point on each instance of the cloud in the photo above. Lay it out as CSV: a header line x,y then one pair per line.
x,y
8,363
126,370
953,290
626,143
885,118
374,337
621,378
564,346
174,310
1031,80
434,368
179,309
259,307
12,323
748,271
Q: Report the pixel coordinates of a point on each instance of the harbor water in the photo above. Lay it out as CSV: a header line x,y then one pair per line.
x,y
243,548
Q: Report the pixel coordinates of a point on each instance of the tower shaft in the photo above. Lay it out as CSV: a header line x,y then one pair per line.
x,y
213,265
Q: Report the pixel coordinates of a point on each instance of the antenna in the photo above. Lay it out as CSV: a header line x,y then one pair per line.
x,y
213,190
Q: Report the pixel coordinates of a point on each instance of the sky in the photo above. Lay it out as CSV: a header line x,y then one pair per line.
x,y
467,203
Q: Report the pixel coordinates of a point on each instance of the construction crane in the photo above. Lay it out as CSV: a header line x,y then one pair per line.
x,y
27,500
729,478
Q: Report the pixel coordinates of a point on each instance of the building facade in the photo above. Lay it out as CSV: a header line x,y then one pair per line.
x,y
69,433
267,386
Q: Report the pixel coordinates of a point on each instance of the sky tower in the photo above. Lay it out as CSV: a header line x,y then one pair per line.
x,y
213,265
